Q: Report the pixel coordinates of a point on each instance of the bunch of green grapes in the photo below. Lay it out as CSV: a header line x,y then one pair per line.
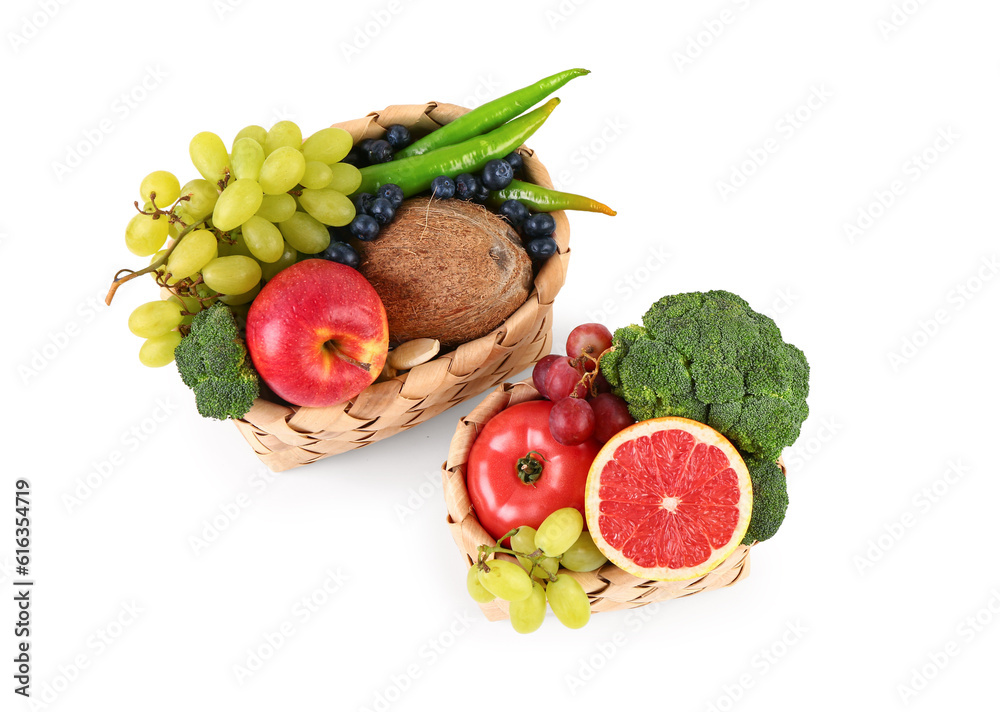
x,y
257,207
559,544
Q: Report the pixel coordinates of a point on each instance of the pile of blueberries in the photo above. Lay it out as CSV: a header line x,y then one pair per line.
x,y
376,211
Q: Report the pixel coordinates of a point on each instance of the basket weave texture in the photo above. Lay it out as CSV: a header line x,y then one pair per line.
x,y
286,436
609,588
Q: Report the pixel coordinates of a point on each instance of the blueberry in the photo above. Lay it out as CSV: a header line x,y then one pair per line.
x,y
356,157
443,187
339,234
363,203
365,228
482,194
466,186
391,192
382,210
343,253
497,174
514,212
380,152
365,148
542,247
539,225
398,136
515,161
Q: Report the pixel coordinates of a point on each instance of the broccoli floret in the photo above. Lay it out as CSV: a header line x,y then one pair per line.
x,y
708,356
770,500
213,362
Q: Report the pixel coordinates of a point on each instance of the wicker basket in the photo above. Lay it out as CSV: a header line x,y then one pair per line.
x,y
286,436
609,588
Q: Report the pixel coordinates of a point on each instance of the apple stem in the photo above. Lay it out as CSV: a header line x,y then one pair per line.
x,y
354,362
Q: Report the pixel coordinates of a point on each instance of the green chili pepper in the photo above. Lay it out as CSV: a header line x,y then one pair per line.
x,y
544,200
490,115
416,173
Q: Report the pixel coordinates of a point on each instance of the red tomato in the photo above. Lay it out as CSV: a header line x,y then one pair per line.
x,y
500,499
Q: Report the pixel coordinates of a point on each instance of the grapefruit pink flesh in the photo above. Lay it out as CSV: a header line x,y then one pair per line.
x,y
668,499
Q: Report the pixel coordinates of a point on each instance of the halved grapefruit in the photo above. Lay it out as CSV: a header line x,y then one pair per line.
x,y
668,499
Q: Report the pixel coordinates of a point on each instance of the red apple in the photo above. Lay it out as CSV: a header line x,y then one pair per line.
x,y
317,333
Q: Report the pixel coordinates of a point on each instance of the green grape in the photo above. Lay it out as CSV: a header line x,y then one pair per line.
x,y
189,304
157,256
546,567
209,156
527,616
196,250
240,312
154,319
283,134
263,239
476,590
505,580
145,234
584,555
257,133
234,274
203,196
237,299
317,175
569,601
346,178
305,233
328,145
282,170
164,185
248,157
237,247
559,531
159,351
237,204
330,207
277,208
524,542
289,256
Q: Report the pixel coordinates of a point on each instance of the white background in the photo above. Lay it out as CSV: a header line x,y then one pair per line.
x,y
865,596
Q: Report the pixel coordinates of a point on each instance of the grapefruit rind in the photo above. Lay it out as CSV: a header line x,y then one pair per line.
x,y
702,434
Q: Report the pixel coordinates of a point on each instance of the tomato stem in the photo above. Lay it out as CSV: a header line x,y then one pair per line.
x,y
529,470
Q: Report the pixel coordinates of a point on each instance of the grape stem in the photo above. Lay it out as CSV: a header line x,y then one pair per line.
x,y
155,265
589,378
534,557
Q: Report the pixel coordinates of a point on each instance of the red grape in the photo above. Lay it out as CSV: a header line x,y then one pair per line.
x,y
612,416
571,421
563,380
590,339
541,370
601,384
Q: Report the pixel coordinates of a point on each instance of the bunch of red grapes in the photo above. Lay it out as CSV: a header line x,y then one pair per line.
x,y
583,404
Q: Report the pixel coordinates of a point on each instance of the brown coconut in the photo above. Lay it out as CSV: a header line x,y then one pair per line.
x,y
447,270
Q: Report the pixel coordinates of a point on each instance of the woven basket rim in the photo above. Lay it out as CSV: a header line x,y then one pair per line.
x,y
609,587
551,275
